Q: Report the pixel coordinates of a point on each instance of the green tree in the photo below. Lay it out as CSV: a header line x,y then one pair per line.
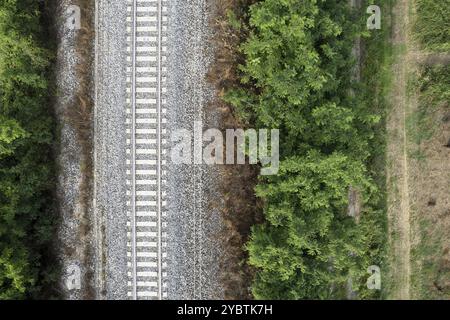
x,y
26,138
308,231
296,77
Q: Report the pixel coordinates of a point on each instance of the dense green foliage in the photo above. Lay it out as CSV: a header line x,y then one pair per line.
x,y
297,77
26,137
433,24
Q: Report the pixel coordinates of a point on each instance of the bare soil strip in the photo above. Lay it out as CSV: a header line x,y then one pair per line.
x,y
397,159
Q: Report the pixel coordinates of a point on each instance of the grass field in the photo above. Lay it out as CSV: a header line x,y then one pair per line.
x,y
417,165
429,133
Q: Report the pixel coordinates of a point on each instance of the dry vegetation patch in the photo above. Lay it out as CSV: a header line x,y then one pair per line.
x,y
80,115
240,208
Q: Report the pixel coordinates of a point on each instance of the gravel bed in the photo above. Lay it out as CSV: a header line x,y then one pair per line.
x,y
110,148
71,245
194,249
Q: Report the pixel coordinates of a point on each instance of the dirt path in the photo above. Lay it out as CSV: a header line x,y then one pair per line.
x,y
397,157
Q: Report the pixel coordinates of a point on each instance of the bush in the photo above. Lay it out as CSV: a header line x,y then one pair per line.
x,y
297,78
26,138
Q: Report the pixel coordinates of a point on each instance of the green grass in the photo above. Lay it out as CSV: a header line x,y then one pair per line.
x,y
376,80
432,25
433,86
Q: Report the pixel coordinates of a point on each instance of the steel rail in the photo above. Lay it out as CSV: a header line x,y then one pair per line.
x,y
158,105
133,150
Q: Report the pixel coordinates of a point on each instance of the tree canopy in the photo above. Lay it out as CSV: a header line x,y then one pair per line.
x,y
26,138
297,78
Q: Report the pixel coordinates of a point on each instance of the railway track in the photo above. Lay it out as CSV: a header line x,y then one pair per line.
x,y
146,148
